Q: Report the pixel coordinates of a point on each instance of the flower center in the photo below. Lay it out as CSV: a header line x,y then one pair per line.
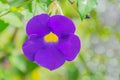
x,y
51,37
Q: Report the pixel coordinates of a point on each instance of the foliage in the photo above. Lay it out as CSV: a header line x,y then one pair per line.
x,y
92,62
85,6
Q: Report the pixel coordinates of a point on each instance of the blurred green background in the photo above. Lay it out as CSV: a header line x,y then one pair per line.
x,y
99,58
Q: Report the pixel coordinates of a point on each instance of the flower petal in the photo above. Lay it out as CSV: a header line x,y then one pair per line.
x,y
70,47
31,46
38,25
61,25
50,57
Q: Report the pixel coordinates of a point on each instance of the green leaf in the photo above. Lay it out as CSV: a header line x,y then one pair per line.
x,y
3,1
30,66
5,72
3,7
29,6
85,6
73,72
48,2
12,19
38,7
15,2
68,9
3,25
17,61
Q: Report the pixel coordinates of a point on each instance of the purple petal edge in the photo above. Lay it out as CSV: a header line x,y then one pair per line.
x,y
38,25
70,47
31,46
61,25
50,58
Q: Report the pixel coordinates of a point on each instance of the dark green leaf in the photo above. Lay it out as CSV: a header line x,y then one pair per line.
x,y
3,25
73,72
29,7
31,66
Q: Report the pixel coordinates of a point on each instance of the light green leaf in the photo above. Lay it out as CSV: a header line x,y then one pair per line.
x,y
38,7
68,9
3,7
17,61
85,6
48,2
27,15
12,19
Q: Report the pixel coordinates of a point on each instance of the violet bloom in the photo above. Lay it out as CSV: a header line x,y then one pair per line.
x,y
51,41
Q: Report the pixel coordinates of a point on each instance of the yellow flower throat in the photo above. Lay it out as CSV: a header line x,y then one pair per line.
x,y
51,37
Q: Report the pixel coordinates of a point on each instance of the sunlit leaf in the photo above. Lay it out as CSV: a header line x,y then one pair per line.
x,y
38,7
68,9
12,19
6,36
5,74
3,7
48,2
18,62
85,6
15,2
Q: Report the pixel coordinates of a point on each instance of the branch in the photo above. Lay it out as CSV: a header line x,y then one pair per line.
x,y
22,4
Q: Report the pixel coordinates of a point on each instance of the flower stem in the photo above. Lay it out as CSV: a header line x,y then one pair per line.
x,y
22,4
54,8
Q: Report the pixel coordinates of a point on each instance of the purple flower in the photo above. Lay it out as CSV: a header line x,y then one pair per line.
x,y
51,41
